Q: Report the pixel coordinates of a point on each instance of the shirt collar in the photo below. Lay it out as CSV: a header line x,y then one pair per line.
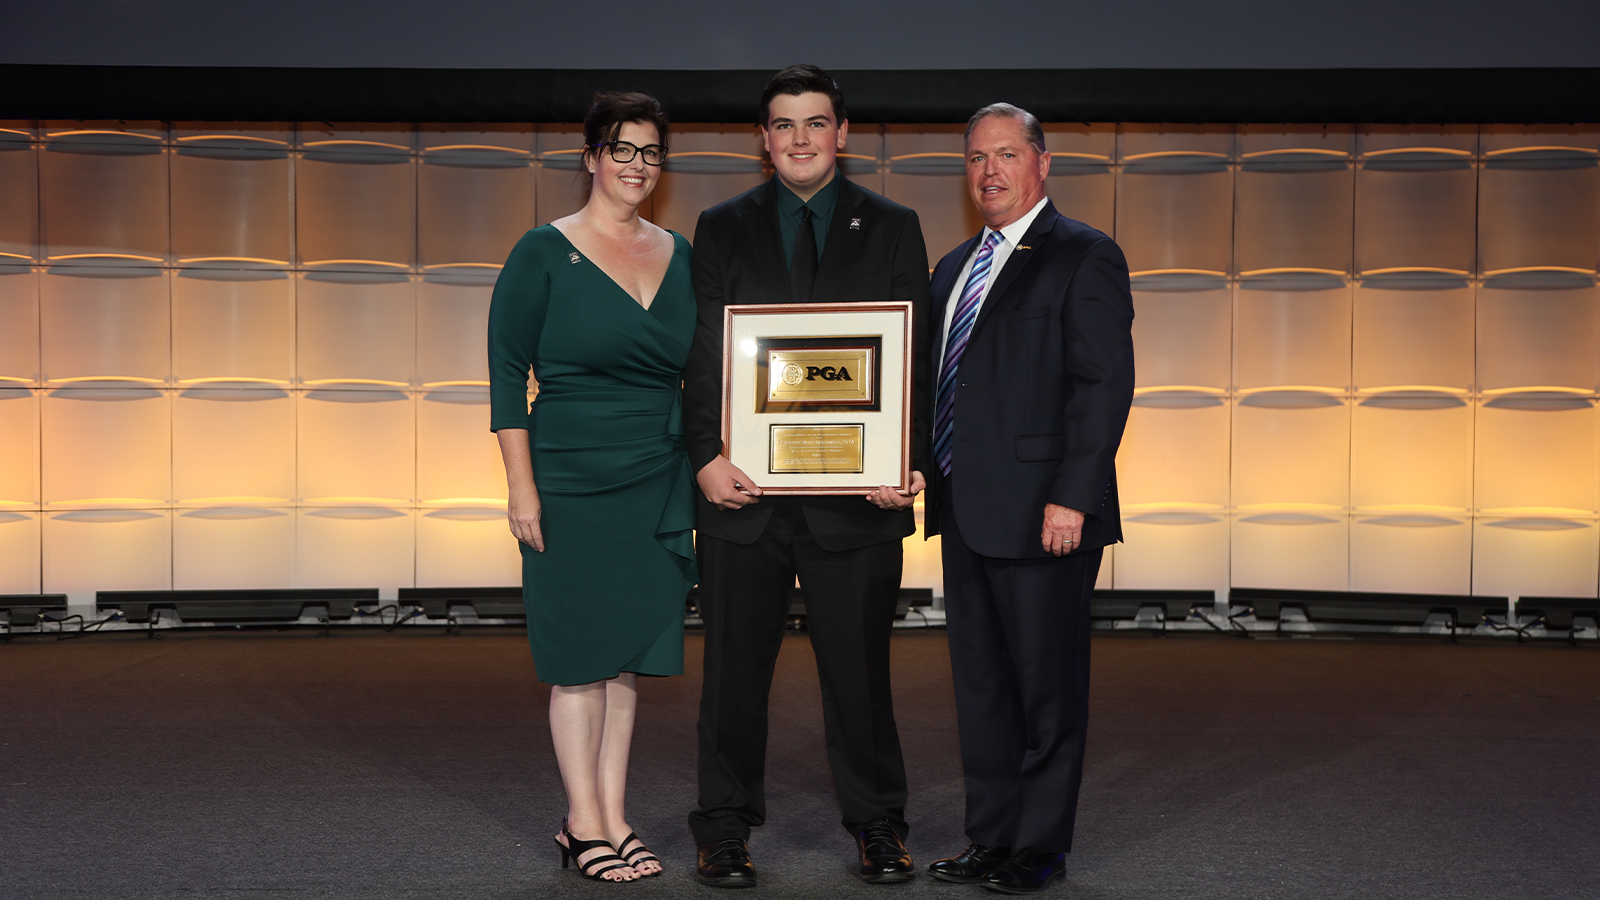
x,y
1013,233
821,203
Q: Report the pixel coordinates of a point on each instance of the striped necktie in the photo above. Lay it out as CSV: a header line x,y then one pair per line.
x,y
944,422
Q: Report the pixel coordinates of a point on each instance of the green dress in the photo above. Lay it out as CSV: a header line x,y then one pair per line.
x,y
607,594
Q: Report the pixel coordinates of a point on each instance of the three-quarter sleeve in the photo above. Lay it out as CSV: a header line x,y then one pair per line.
x,y
516,319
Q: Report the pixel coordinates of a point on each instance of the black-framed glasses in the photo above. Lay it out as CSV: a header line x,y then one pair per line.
x,y
624,152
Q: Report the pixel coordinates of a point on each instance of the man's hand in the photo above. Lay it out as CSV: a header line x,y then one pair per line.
x,y
1063,529
725,486
886,497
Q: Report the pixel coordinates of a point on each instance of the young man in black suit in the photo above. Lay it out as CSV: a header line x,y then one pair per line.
x,y
807,235
1032,329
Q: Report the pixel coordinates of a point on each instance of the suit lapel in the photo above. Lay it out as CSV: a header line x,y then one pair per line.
x,y
1033,240
760,222
843,244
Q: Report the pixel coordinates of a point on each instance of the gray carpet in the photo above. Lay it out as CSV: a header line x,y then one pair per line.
x,y
418,765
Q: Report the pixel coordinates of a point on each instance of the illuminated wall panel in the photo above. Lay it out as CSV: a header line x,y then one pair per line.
x,y
466,547
1291,449
19,449
356,329
19,194
927,172
104,196
1536,456
1412,453
1540,200
1296,338
1175,453
458,458
356,447
1327,395
922,566
19,327
19,552
355,547
862,159
1175,199
452,320
473,203
1414,339
1179,550
1295,194
356,201
1082,183
1534,558
1411,554
1299,551
1183,339
1416,200
558,190
1539,340
233,447
231,200
233,326
107,550
107,324
84,467
708,164
232,548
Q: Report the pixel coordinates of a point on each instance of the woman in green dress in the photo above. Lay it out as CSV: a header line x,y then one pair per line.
x,y
599,306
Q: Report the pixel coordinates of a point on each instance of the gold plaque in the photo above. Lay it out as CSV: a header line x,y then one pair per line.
x,y
814,449
841,376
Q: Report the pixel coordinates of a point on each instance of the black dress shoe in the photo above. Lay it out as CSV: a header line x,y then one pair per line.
x,y
1026,871
725,863
884,858
970,865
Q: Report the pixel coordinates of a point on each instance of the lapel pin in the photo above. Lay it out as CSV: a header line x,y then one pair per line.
x,y
574,257
1024,247
855,224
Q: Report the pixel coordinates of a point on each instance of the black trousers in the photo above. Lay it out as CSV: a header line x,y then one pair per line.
x,y
1019,654
850,602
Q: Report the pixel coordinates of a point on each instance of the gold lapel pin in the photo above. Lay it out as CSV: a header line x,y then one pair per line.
x,y
1024,247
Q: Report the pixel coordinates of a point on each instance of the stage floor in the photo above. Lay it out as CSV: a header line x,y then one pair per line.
x,y
418,765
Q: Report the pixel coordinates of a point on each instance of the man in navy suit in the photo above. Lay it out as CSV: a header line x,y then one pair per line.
x,y
1032,338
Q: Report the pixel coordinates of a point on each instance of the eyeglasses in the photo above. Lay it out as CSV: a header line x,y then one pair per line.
x,y
624,152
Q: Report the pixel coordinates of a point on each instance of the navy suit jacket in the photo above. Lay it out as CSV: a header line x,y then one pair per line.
x,y
1043,390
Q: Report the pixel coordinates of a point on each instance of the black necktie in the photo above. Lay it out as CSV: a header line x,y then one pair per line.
x,y
803,264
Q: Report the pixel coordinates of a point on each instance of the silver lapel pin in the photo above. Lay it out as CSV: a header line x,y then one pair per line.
x,y
574,257
855,224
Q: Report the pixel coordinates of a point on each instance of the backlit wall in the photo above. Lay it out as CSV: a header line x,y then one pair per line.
x,y
252,355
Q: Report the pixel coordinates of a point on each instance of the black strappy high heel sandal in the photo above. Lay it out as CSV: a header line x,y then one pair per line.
x,y
575,848
638,855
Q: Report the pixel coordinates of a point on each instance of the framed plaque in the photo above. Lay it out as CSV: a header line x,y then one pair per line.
x,y
816,397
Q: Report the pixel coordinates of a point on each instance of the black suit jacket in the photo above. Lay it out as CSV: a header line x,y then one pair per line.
x,y
1043,390
738,259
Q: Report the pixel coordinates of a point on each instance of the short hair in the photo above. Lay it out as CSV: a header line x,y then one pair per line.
x,y
1031,129
803,79
609,112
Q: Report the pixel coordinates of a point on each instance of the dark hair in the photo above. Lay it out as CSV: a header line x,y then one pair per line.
x,y
803,79
1031,129
609,112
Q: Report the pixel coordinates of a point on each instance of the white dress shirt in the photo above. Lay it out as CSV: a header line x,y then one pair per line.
x,y
1009,236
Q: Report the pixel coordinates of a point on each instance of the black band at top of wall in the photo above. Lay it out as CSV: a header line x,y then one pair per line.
x,y
1401,96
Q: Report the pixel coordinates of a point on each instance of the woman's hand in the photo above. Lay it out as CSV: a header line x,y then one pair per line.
x,y
522,495
522,511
